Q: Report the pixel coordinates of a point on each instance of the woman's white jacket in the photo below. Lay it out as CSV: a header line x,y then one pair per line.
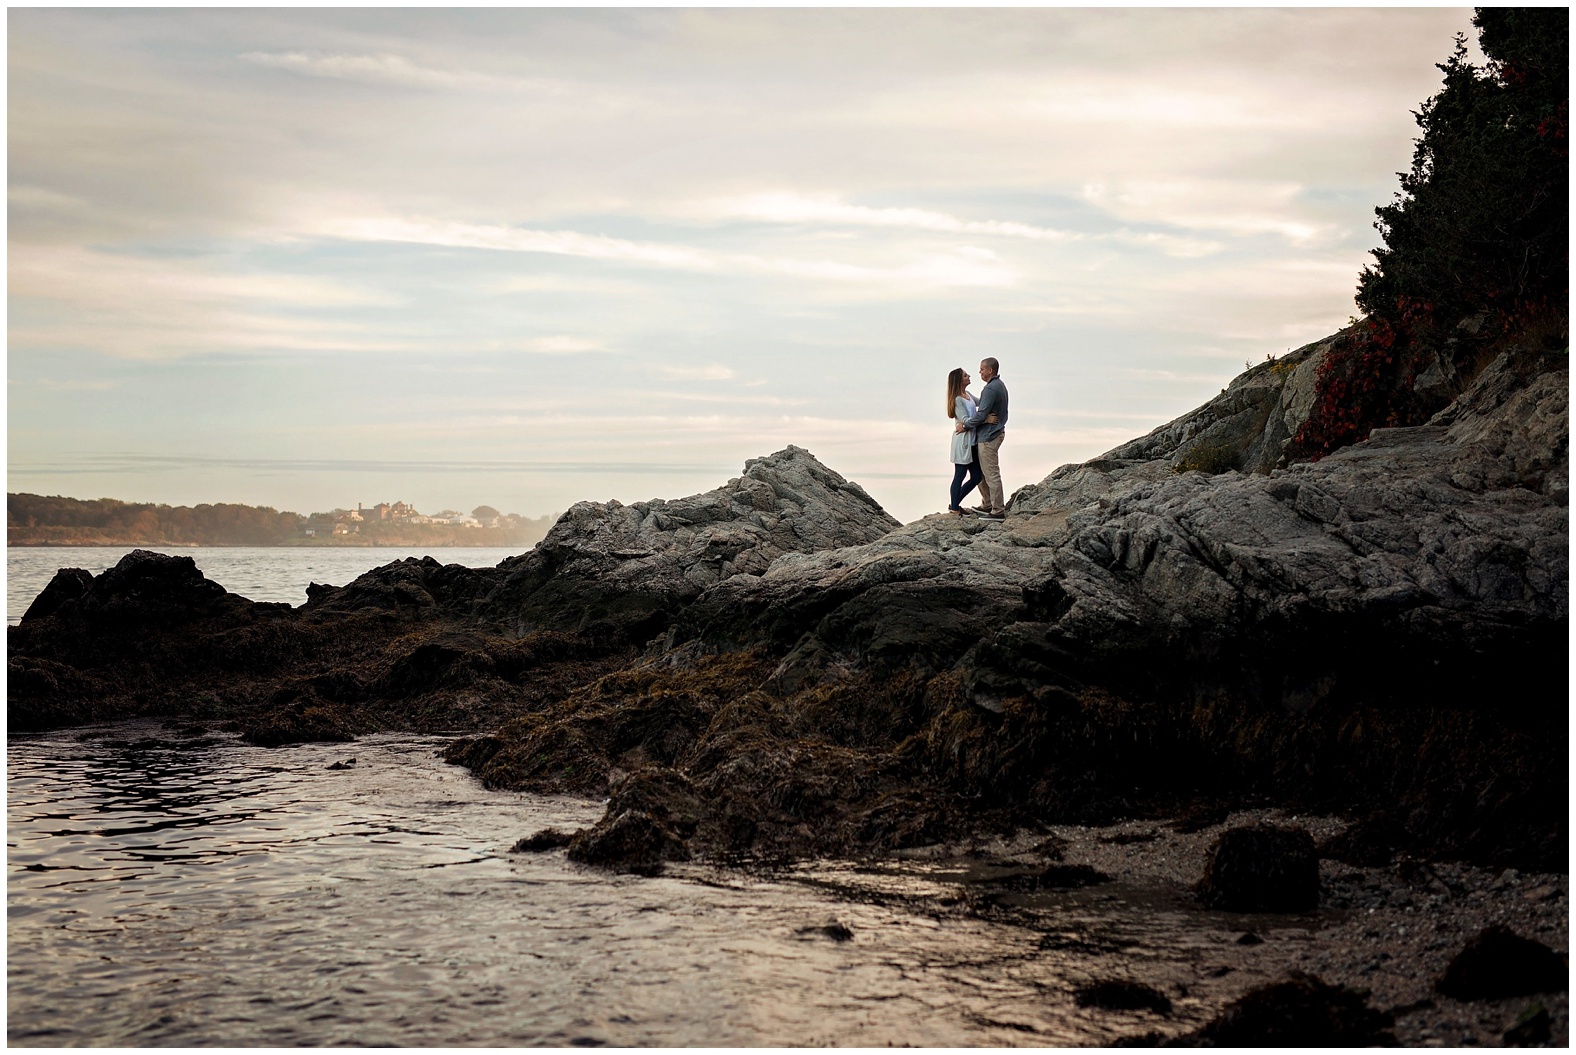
x,y
962,442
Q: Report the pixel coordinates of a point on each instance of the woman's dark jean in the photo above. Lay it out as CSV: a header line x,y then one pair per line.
x,y
975,474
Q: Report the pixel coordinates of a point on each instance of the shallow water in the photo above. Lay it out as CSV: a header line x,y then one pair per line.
x,y
262,573
210,892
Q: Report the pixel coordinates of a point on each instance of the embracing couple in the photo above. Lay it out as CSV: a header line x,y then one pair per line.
x,y
976,440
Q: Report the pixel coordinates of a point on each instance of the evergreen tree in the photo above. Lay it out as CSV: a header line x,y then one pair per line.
x,y
1481,226
1482,220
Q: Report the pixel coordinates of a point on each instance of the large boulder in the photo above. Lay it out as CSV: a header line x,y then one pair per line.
x,y
143,589
1261,868
1301,1011
626,570
1499,963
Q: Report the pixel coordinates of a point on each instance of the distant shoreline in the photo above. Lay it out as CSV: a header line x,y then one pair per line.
x,y
61,522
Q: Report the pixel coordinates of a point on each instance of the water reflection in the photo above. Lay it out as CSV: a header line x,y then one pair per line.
x,y
199,891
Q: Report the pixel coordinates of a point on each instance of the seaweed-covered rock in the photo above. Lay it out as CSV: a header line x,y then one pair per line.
x,y
1498,963
143,588
1261,868
628,841
651,815
1300,1012
414,586
546,839
298,718
1368,843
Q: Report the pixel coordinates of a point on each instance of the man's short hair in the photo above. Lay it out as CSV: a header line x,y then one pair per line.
x,y
990,361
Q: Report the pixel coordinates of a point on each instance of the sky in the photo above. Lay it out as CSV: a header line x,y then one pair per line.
x,y
310,258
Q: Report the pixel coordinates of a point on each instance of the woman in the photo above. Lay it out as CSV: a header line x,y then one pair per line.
x,y
965,456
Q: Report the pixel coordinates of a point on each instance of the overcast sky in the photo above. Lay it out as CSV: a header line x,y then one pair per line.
x,y
309,258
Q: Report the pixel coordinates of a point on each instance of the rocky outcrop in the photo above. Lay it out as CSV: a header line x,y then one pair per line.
x,y
1248,427
776,667
1455,525
628,570
1407,595
619,571
121,643
415,642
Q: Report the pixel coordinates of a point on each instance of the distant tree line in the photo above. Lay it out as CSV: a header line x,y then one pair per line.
x,y
39,520
1476,253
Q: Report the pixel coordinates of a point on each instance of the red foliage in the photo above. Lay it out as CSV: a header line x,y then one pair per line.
x,y
1365,381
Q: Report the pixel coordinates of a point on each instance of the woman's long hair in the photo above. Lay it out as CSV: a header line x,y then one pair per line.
x,y
954,390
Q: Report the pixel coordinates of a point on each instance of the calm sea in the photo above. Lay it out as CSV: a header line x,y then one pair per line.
x,y
175,888
263,573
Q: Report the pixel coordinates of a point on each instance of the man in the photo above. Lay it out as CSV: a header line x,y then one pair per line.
x,y
990,418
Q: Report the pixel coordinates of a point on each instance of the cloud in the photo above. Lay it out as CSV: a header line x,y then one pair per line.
x,y
1238,207
49,384
1101,100
516,240
71,273
380,69
21,195
964,266
793,208
713,372
562,345
154,307
787,208
1169,244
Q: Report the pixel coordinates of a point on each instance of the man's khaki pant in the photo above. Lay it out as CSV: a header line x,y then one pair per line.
x,y
990,465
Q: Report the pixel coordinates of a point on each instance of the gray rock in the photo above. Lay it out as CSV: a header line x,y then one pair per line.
x,y
1447,535
628,569
1249,424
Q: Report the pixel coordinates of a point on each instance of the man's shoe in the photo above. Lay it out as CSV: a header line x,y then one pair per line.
x,y
993,516
982,510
